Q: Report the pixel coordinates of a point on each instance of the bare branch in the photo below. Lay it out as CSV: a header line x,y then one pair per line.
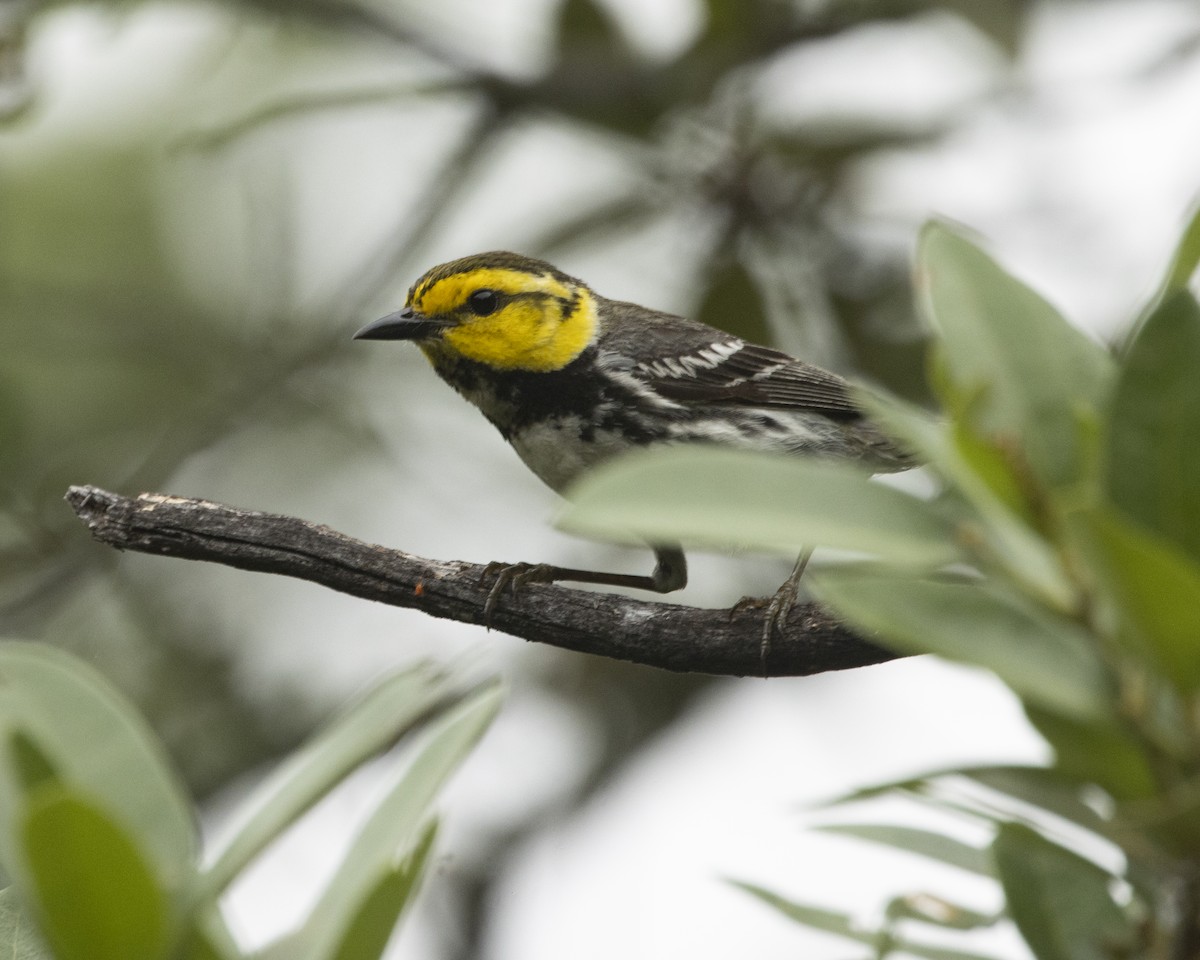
x,y
671,636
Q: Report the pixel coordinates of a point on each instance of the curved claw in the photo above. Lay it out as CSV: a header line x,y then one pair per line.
x,y
778,609
512,576
780,606
747,603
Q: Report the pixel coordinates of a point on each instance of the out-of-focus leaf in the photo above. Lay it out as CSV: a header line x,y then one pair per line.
x,y
394,831
682,494
1041,787
382,716
732,302
979,475
1027,372
841,924
1170,821
92,739
1004,22
939,912
924,843
30,765
371,928
1155,586
1103,755
830,921
18,938
1153,458
1037,786
585,22
208,937
1178,277
1186,257
199,946
12,424
1046,660
992,468
94,895
1059,901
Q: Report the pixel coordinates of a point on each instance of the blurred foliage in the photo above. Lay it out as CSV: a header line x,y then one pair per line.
x,y
171,275
154,305
1067,492
100,840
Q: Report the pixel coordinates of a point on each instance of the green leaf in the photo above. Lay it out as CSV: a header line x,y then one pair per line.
x,y
393,832
371,928
1102,755
19,939
1155,587
1004,22
999,532
682,494
1046,789
924,843
93,893
1059,901
1171,821
1153,455
1185,259
88,736
208,937
387,712
1046,660
1041,787
841,924
1028,372
30,764
587,23
939,912
200,947
829,921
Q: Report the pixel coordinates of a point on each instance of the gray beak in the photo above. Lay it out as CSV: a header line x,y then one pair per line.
x,y
405,324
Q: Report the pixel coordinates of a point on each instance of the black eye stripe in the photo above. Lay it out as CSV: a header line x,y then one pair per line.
x,y
486,301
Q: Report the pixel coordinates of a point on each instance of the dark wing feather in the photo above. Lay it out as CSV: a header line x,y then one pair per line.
x,y
693,363
759,377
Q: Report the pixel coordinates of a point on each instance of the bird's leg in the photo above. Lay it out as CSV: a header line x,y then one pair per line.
x,y
670,574
780,605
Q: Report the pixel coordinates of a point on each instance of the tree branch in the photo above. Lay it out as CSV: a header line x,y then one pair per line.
x,y
671,636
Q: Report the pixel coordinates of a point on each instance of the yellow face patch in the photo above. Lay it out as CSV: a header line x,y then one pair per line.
x,y
541,324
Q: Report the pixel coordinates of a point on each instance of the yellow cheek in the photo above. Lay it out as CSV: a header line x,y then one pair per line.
x,y
523,337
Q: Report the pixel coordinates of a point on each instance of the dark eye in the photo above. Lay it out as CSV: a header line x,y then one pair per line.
x,y
483,302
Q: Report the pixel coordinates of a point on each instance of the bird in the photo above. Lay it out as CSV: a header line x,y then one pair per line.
x,y
572,380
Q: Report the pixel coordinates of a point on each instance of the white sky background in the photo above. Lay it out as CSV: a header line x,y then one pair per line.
x,y
1079,180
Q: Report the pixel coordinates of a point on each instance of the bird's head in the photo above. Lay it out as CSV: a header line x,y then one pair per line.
x,y
501,309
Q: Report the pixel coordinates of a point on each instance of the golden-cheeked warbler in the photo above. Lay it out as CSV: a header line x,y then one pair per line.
x,y
572,379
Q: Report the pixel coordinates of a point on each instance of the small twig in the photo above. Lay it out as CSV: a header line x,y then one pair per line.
x,y
674,637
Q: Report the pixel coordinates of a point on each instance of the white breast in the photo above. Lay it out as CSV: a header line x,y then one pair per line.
x,y
554,451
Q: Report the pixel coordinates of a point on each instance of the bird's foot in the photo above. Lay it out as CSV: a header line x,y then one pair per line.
x,y
778,608
512,576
